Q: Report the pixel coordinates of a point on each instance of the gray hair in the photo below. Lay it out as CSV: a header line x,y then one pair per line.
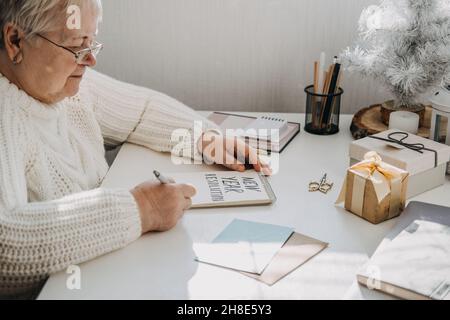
x,y
35,16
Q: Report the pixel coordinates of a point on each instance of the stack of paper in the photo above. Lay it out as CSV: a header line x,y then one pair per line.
x,y
262,251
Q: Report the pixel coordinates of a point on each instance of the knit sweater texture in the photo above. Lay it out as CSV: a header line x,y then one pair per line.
x,y
53,212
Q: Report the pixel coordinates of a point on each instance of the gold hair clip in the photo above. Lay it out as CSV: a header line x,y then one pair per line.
x,y
323,186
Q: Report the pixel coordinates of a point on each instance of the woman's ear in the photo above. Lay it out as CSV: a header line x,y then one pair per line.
x,y
13,37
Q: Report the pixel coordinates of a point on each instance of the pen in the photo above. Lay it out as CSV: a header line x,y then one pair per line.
x,y
162,178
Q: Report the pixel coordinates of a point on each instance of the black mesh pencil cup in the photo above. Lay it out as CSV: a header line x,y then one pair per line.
x,y
322,112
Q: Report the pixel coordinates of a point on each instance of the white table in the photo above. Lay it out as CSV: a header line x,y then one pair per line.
x,y
162,266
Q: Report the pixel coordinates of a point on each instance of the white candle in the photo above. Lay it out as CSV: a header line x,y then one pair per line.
x,y
404,121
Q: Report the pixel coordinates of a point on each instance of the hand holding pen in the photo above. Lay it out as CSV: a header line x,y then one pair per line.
x,y
161,204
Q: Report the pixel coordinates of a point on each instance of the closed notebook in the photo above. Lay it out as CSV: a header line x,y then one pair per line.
x,y
255,130
414,265
227,188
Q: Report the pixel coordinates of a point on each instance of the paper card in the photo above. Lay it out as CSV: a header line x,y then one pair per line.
x,y
298,250
244,246
226,188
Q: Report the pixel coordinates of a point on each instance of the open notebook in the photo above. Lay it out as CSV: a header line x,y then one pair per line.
x,y
227,188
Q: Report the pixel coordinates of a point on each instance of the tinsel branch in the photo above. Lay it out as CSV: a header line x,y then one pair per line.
x,y
404,45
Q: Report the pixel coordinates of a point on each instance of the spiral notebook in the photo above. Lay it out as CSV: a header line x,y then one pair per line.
x,y
263,127
257,130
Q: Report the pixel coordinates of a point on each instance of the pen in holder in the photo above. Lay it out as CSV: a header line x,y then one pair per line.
x,y
322,111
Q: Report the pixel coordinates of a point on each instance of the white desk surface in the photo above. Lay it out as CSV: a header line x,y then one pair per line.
x,y
162,266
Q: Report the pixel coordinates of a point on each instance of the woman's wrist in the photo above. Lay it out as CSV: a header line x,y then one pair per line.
x,y
142,204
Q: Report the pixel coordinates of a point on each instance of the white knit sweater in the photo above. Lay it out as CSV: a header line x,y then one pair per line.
x,y
52,160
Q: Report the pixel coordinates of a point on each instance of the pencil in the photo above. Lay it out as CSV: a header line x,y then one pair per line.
x,y
326,92
316,77
316,90
322,60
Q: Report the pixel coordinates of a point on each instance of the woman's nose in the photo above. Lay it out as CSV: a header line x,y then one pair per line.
x,y
90,60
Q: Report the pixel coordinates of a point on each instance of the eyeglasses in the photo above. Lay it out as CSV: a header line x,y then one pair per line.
x,y
80,56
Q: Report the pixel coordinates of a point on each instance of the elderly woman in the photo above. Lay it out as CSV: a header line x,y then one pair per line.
x,y
56,116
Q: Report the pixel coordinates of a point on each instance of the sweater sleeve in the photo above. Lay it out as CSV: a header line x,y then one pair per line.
x,y
128,113
38,239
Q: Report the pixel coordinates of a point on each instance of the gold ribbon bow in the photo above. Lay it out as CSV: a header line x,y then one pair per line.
x,y
386,180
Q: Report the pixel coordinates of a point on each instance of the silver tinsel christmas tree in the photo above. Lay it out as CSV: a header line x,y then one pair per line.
x,y
405,45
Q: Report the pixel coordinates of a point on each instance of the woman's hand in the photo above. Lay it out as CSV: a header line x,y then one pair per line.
x,y
162,205
231,152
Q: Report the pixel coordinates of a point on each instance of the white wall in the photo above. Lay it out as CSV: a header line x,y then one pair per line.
x,y
237,55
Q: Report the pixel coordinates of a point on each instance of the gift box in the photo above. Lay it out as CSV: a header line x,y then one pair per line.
x,y
374,190
424,159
